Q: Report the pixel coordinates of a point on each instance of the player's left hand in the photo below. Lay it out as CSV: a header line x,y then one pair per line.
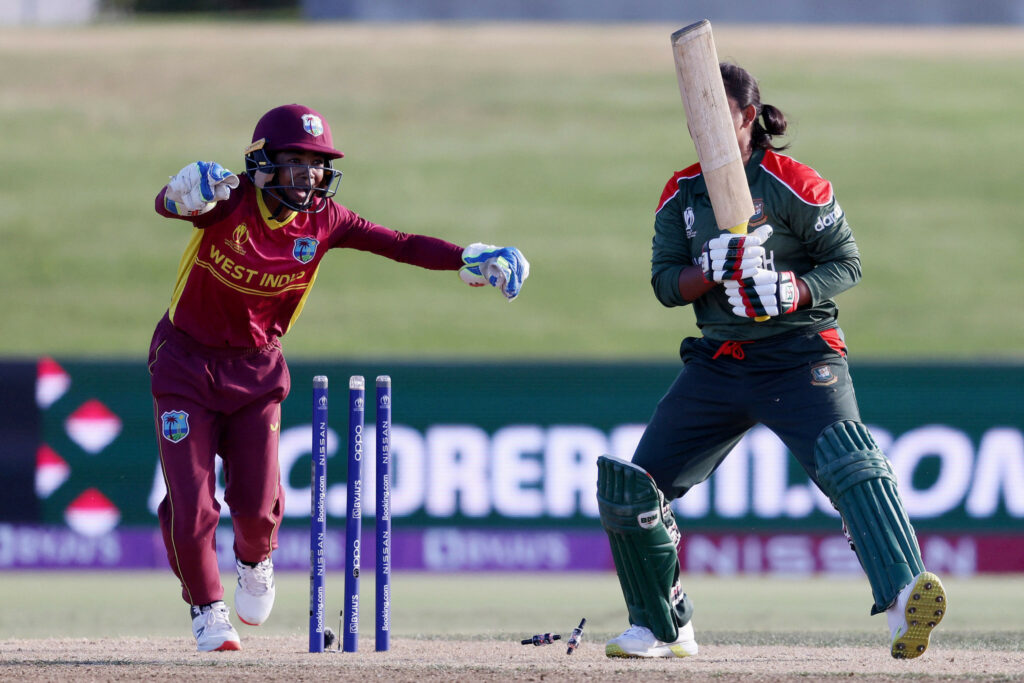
x,y
766,293
503,267
200,185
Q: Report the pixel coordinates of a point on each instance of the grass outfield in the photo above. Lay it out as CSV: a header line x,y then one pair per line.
x,y
986,612
131,625
555,138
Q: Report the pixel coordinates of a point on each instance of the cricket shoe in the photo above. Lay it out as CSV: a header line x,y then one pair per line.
x,y
639,641
918,609
254,594
212,628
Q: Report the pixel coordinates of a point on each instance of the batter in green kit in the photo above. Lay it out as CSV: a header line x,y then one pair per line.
x,y
788,372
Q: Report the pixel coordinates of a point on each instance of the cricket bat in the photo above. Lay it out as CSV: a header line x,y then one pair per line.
x,y
710,123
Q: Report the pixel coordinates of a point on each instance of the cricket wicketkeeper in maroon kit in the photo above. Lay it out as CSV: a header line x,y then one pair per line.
x,y
218,373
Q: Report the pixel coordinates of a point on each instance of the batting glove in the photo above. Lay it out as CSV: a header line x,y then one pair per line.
x,y
734,257
766,293
197,187
503,267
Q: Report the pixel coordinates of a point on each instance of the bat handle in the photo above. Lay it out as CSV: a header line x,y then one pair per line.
x,y
741,229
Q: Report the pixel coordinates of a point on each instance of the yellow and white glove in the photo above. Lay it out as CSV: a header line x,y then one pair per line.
x,y
197,187
503,267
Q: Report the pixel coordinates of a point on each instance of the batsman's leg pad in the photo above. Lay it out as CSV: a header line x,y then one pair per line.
x,y
857,476
644,537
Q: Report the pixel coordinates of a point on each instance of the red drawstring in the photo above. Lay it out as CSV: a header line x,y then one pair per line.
x,y
731,348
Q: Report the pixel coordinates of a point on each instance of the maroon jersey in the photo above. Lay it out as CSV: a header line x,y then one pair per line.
x,y
244,276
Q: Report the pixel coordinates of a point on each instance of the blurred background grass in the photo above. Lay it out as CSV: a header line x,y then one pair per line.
x,y
554,138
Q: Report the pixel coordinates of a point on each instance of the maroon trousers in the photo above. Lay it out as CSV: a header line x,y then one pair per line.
x,y
211,402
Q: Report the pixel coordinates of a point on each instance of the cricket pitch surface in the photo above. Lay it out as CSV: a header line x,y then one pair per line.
x,y
423,660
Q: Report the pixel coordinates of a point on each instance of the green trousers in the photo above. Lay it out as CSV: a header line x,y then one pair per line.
x,y
796,384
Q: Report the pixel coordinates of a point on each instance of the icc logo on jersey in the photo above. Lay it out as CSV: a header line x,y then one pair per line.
x,y
305,249
238,238
312,125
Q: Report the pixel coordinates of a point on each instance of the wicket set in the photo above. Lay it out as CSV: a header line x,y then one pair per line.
x,y
349,614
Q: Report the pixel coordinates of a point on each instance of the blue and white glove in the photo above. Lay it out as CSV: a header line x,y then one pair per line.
x,y
197,187
503,267
734,257
765,293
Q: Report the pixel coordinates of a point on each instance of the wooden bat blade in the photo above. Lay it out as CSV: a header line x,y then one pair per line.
x,y
709,121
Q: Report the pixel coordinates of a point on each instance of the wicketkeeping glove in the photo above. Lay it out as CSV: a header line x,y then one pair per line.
x,y
197,187
734,257
765,293
503,267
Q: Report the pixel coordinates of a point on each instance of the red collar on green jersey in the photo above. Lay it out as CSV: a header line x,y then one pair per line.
x,y
672,186
802,180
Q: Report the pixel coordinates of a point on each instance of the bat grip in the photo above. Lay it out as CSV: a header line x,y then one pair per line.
x,y
741,229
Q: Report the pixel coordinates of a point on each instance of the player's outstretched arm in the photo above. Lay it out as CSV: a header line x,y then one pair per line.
x,y
503,267
198,187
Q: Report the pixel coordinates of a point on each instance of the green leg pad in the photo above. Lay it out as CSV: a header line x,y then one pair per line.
x,y
857,476
644,537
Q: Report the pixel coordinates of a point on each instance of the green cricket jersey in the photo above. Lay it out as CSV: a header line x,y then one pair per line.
x,y
810,237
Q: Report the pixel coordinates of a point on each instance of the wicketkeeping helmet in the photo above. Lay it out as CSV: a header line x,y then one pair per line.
x,y
292,127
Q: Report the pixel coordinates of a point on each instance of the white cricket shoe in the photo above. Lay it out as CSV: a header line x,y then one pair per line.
x,y
639,641
254,594
211,625
917,611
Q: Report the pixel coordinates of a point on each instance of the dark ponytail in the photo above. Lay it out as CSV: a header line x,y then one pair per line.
x,y
741,87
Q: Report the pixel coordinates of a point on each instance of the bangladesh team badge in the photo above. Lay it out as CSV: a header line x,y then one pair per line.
x,y
304,249
174,425
822,376
758,218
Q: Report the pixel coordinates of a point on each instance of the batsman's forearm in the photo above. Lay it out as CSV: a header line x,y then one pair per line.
x,y
692,284
803,294
826,280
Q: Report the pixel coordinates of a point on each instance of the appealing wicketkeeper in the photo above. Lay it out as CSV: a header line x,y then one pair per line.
x,y
788,372
218,374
